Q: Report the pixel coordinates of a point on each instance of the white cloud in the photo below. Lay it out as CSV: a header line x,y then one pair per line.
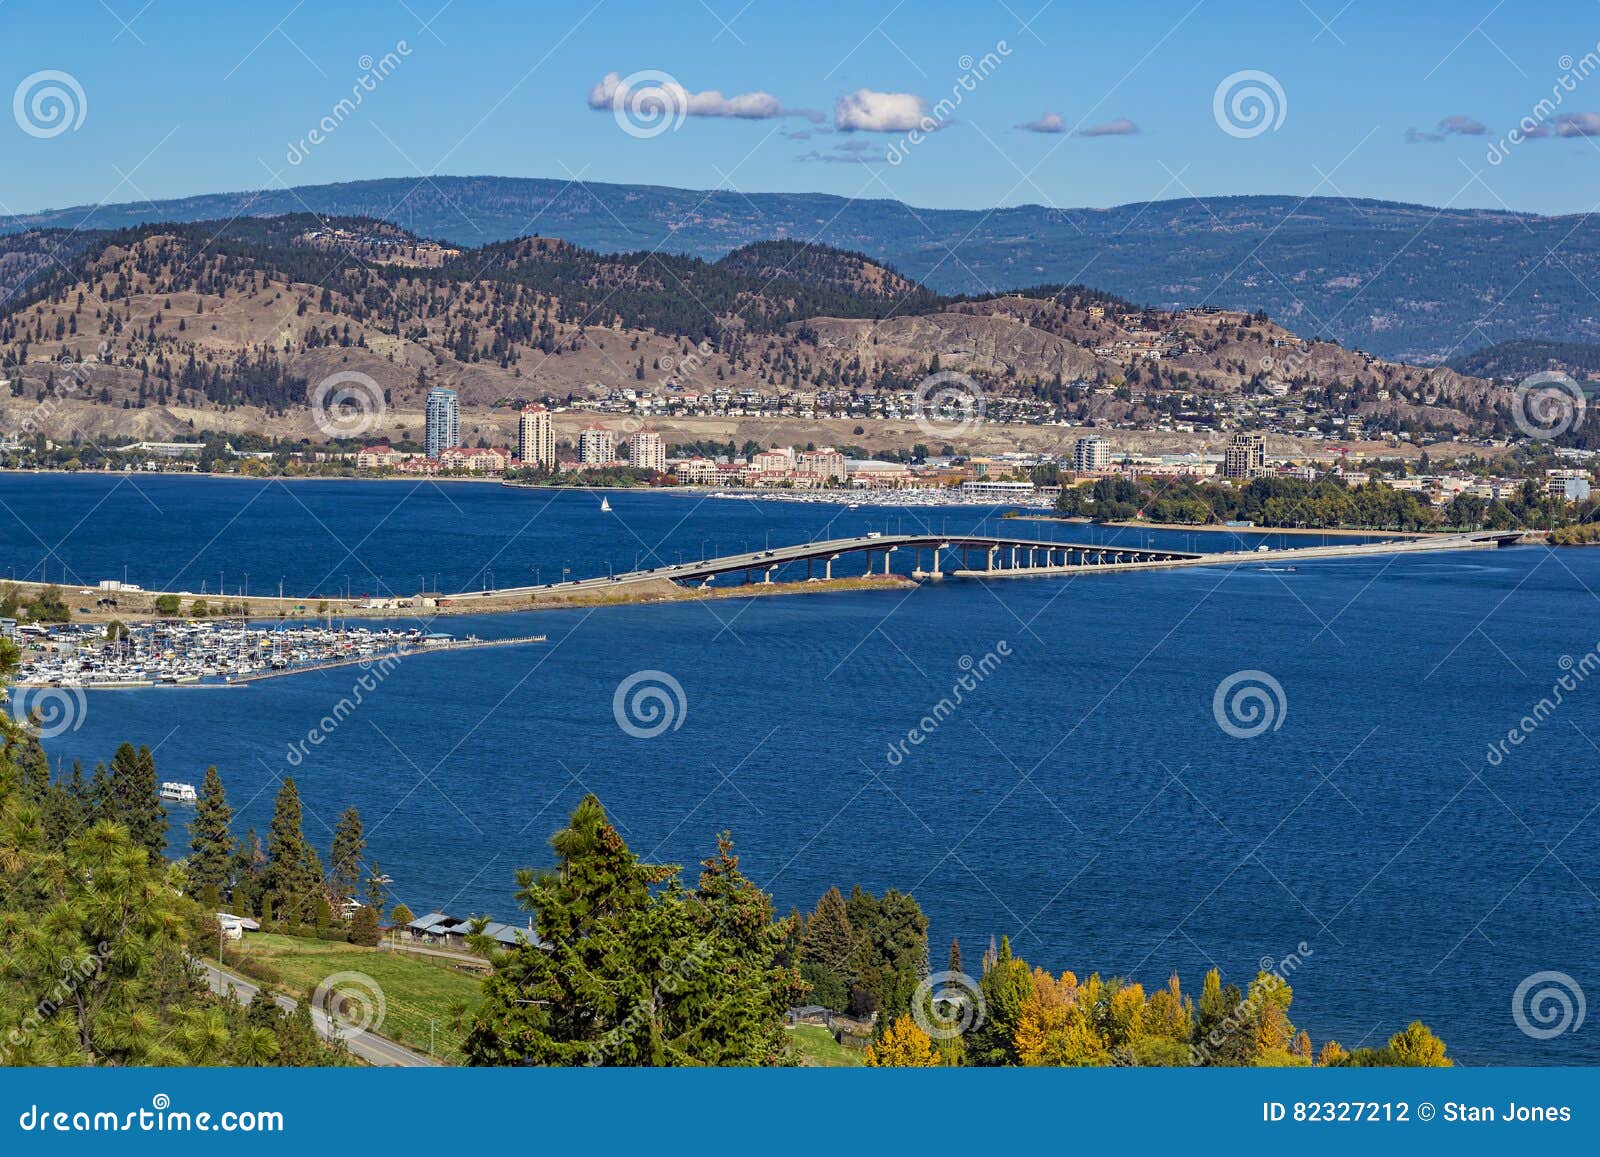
x,y
1463,126
1050,122
654,87
1578,124
867,111
1121,127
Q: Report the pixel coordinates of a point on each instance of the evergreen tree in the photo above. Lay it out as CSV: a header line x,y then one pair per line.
x,y
132,800
377,891
344,859
631,969
829,952
66,808
212,847
1005,985
293,877
567,1002
364,927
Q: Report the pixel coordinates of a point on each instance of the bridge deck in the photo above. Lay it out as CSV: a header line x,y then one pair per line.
x,y
1003,557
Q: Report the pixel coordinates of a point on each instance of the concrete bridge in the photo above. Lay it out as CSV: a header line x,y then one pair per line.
x,y
934,556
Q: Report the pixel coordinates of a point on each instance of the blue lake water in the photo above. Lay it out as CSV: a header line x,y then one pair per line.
x,y
1082,799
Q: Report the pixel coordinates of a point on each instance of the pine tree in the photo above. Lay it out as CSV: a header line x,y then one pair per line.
x,y
132,800
630,968
377,891
364,927
345,857
293,877
66,807
1005,985
568,1001
733,989
211,844
828,951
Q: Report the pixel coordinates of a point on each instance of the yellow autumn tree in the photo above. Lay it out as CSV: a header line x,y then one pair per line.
x,y
1045,1011
1055,1027
1333,1053
903,1046
1166,1014
1124,1016
1417,1047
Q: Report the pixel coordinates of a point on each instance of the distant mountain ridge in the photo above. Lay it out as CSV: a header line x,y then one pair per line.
x,y
1515,359
1403,281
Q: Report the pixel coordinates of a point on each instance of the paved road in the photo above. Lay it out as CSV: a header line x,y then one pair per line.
x,y
1135,558
369,1046
763,560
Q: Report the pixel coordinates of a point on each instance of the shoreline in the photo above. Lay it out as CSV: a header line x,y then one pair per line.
x,y
1217,528
293,610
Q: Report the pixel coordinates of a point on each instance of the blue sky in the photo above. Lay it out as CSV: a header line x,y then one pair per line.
x,y
1403,101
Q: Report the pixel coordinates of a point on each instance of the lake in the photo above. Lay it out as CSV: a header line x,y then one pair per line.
x,y
1087,796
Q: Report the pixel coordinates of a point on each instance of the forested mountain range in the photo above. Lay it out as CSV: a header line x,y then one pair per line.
x,y
198,320
1517,359
1403,281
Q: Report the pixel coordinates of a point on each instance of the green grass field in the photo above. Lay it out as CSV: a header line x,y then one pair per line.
x,y
818,1049
416,990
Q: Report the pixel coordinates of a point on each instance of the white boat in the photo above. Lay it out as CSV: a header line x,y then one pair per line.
x,y
178,792
605,505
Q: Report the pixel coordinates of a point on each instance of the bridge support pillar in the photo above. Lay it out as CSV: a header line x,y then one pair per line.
x,y
989,557
766,576
886,555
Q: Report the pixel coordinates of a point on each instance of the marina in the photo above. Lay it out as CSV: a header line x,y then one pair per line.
x,y
224,654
